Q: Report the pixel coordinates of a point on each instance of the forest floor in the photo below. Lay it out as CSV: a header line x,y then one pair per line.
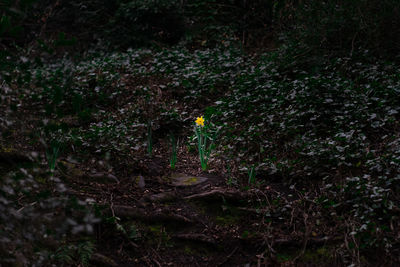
x,y
82,131
158,217
155,216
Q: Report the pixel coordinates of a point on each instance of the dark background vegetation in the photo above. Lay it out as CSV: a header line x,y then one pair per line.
x,y
334,26
318,44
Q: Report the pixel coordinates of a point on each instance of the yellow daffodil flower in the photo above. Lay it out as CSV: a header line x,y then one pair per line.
x,y
205,141
200,121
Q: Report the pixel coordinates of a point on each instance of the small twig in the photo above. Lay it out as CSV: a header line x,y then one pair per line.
x,y
158,264
23,207
158,256
352,44
259,257
306,233
131,243
228,257
292,218
160,237
112,205
305,241
147,261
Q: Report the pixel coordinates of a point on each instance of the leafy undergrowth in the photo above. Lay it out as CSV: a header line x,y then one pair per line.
x,y
323,143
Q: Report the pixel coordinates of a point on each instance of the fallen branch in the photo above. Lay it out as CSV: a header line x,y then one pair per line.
x,y
197,237
98,259
298,243
316,241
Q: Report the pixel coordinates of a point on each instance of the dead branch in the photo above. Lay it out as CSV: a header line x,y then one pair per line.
x,y
312,241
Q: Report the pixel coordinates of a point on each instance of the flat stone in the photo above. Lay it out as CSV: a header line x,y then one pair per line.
x,y
181,179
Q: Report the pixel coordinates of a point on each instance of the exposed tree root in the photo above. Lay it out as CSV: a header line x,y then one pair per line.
x,y
230,194
162,197
156,216
297,243
104,178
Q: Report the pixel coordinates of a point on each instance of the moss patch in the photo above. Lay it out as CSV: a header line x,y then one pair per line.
x,y
191,180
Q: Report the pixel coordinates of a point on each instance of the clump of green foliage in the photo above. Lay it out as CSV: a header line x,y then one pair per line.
x,y
31,230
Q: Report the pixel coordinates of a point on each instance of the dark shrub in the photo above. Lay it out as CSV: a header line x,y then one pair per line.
x,y
143,22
